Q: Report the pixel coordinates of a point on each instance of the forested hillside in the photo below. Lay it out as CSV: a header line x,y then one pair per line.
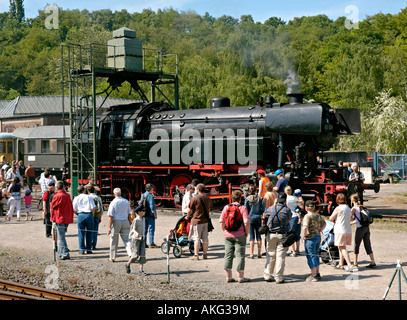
x,y
362,68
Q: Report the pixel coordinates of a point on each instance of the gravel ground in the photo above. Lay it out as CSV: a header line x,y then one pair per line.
x,y
26,256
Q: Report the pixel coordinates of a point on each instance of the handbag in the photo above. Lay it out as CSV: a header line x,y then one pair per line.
x,y
210,225
289,239
264,229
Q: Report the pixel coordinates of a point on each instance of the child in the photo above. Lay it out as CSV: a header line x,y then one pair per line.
x,y
27,199
138,245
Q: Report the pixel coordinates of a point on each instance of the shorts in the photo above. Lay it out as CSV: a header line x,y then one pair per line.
x,y
343,239
199,231
138,251
27,208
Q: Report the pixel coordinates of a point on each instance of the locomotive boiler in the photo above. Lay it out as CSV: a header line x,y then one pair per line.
x,y
223,147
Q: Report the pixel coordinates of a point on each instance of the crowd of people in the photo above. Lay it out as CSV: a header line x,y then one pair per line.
x,y
278,211
265,215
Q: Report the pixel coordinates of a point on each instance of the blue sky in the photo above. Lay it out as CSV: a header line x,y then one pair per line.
x,y
261,10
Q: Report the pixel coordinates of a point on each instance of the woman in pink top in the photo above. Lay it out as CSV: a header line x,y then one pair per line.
x,y
235,241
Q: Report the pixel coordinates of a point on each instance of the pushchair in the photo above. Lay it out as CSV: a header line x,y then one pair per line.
x,y
327,250
178,238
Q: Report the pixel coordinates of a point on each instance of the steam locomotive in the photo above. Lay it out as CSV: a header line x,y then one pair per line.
x,y
223,147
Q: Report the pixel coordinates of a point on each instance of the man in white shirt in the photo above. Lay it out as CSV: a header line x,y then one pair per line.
x,y
11,174
186,198
84,207
119,215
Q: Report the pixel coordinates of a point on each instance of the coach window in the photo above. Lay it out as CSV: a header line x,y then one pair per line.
x,y
31,146
45,147
2,147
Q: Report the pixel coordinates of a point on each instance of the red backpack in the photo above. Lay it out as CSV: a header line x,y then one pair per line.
x,y
233,219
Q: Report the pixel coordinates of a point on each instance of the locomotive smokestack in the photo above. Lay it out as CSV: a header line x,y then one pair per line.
x,y
295,98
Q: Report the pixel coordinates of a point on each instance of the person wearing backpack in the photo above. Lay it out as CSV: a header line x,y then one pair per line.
x,y
362,231
235,223
97,217
255,207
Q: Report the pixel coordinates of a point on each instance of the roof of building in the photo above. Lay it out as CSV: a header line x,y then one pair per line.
x,y
42,132
43,105
4,103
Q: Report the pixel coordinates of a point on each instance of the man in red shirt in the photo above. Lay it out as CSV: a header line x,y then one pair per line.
x,y
30,175
62,215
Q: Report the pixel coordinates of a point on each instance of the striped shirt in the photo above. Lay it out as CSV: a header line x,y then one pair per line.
x,y
279,218
119,209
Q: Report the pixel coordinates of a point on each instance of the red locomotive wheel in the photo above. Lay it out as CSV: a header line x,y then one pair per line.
x,y
178,186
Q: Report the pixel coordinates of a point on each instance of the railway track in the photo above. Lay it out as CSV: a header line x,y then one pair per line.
x,y
393,218
16,291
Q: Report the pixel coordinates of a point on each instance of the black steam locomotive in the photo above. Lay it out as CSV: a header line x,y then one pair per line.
x,y
223,147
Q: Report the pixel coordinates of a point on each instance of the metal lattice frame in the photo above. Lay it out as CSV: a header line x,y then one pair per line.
x,y
81,67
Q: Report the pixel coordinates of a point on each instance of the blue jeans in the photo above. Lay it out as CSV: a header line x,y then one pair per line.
x,y
85,230
255,225
95,231
63,250
150,229
311,250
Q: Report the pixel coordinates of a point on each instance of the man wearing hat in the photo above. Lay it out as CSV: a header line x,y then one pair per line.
x,y
281,183
279,224
262,182
313,224
46,202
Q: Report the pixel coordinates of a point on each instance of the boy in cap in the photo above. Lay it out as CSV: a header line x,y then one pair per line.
x,y
313,224
27,201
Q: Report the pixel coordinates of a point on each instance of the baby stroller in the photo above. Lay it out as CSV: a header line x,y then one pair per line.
x,y
328,251
178,238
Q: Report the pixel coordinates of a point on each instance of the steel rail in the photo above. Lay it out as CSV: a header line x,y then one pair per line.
x,y
36,292
7,295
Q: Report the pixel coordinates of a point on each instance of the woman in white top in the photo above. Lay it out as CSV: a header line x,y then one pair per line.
x,y
343,232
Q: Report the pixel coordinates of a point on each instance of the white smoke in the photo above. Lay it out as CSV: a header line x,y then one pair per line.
x,y
293,82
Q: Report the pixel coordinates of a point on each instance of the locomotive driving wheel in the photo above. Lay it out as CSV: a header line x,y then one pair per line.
x,y
178,187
